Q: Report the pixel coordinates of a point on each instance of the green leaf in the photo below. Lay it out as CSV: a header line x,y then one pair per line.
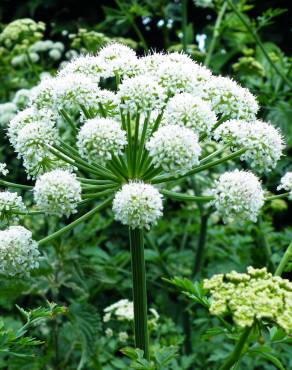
x,y
87,325
271,358
192,290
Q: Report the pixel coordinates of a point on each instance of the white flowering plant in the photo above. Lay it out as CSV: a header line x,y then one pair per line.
x,y
126,146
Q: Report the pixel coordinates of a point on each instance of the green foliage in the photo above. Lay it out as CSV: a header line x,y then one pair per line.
x,y
161,360
89,269
16,342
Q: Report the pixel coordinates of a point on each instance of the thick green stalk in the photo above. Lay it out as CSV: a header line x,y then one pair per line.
x,y
235,355
258,41
184,23
73,224
285,259
139,290
216,33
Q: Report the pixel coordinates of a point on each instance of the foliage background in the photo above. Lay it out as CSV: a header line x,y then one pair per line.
x,y
82,272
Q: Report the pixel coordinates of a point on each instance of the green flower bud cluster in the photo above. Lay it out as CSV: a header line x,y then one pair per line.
x,y
91,41
249,65
255,295
21,33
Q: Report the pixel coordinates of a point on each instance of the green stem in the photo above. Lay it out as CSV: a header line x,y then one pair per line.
x,y
140,155
68,119
180,196
134,25
98,194
285,259
139,290
184,24
88,187
13,185
69,227
94,181
279,196
135,145
216,33
235,355
204,167
258,41
214,154
201,245
29,213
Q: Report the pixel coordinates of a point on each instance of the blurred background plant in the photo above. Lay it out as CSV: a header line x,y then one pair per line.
x,y
248,40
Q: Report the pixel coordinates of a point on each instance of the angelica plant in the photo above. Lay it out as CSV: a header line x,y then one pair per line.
x,y
126,146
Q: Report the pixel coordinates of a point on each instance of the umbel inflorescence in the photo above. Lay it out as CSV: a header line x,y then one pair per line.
x,y
251,296
118,128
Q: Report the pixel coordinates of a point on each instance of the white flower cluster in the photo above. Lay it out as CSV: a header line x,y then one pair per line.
x,y
118,59
3,169
42,95
238,195
189,111
87,65
137,205
230,99
18,251
30,145
72,90
122,310
149,64
57,192
98,138
263,142
26,116
178,77
10,205
64,92
286,183
142,94
174,148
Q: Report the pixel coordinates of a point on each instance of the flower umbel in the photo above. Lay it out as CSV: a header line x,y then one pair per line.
x,y
238,194
138,205
174,148
18,251
255,295
57,192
